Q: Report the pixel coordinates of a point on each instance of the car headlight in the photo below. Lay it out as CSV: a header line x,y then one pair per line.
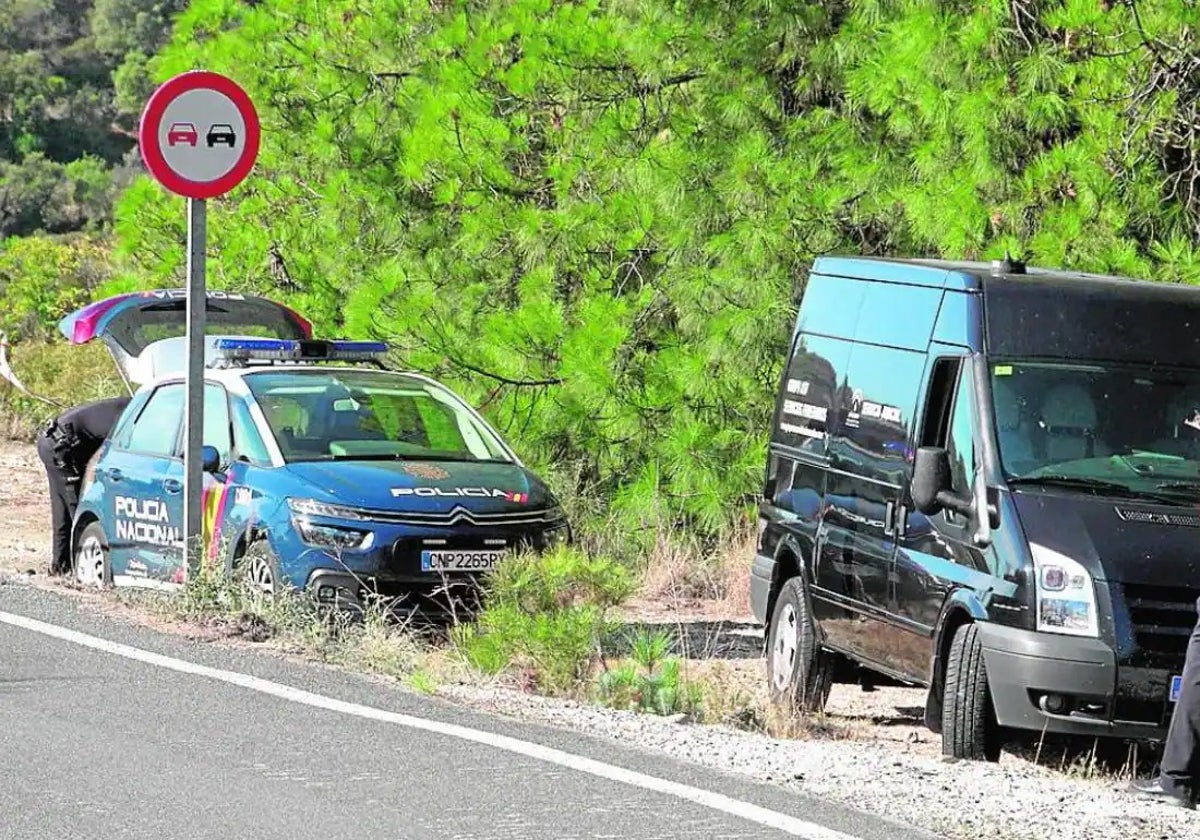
x,y
330,536
311,507
557,535
1066,598
558,529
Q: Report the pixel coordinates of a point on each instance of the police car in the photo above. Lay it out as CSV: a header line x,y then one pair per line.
x,y
323,470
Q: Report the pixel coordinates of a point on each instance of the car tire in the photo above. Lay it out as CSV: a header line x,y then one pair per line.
x,y
91,563
260,568
969,727
799,671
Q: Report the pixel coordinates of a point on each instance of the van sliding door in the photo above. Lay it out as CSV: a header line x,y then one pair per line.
x,y
867,473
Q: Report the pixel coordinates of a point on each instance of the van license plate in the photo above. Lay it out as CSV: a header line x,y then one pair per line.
x,y
1176,685
460,561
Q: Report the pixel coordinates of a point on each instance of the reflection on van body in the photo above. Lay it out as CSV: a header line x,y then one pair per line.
x,y
986,472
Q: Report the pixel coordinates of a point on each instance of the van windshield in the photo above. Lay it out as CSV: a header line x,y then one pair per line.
x,y
1118,426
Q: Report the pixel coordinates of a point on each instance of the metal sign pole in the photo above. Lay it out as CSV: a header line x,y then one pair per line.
x,y
194,411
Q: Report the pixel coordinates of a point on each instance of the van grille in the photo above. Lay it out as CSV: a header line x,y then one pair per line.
x,y
1183,520
1162,619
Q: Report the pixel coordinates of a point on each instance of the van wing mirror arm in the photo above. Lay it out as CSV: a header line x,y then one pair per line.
x,y
987,512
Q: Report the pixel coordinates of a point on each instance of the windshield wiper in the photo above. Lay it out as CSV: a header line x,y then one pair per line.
x,y
402,456
1098,485
1179,485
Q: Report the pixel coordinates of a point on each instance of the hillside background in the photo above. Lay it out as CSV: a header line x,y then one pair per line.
x,y
594,219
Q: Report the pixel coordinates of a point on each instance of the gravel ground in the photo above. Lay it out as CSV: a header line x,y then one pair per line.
x,y
24,510
1009,800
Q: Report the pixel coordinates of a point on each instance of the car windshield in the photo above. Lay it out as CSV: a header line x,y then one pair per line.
x,y
325,415
1114,427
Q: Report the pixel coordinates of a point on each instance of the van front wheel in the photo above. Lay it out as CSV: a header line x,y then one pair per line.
x,y
969,727
800,672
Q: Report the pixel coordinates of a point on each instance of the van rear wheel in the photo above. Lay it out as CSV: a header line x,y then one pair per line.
x,y
799,671
969,727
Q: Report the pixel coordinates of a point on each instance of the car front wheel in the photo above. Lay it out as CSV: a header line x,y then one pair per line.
x,y
261,568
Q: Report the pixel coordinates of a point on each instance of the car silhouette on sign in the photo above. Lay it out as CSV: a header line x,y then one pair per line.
x,y
182,133
220,133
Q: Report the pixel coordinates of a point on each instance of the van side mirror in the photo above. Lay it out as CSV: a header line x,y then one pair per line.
x,y
210,459
931,483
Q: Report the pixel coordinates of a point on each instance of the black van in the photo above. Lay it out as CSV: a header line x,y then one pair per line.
x,y
984,479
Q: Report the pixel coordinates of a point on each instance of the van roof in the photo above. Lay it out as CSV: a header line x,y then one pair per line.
x,y
979,276
1038,312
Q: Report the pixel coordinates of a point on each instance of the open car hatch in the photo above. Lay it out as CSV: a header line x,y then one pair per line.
x,y
132,324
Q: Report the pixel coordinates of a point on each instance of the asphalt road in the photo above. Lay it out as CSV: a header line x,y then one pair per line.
x,y
96,744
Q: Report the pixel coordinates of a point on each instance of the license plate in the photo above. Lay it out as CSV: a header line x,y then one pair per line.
x,y
460,561
1176,685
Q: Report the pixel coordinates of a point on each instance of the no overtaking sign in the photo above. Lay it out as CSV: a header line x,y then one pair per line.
x,y
199,135
199,138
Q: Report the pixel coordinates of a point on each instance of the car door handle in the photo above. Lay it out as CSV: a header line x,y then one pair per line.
x,y
172,485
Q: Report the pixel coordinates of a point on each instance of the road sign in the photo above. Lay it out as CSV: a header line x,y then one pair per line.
x,y
199,134
199,138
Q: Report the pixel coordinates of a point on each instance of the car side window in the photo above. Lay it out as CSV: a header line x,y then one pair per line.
x,y
156,430
247,442
124,430
216,420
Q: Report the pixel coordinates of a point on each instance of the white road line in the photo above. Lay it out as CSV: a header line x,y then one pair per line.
x,y
735,807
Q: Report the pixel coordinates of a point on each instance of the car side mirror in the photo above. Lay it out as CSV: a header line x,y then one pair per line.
x,y
210,459
931,483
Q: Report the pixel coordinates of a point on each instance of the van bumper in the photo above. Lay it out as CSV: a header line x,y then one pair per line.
x,y
1023,667
762,572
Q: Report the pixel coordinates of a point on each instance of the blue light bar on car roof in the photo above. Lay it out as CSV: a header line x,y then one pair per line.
x,y
285,350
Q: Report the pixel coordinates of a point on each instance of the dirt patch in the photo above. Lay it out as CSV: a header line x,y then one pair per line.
x,y
24,511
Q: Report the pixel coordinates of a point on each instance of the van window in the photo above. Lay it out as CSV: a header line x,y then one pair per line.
x,y
961,443
949,422
898,315
830,306
808,398
877,404
1124,424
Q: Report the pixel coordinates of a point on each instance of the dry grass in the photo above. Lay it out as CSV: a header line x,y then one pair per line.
x,y
680,578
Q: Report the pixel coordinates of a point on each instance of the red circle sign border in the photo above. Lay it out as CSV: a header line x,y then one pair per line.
x,y
156,108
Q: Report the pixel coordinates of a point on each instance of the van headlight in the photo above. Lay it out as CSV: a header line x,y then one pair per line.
x,y
1066,598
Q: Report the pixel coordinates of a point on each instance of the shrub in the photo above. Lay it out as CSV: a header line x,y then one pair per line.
x,y
67,374
545,617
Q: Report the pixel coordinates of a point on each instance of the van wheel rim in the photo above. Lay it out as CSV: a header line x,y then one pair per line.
x,y
89,568
261,577
786,643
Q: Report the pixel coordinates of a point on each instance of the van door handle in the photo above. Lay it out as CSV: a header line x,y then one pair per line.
x,y
888,513
901,521
172,485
